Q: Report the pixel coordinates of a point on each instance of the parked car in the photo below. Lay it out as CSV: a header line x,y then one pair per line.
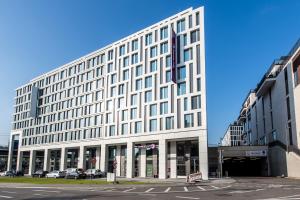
x,y
9,173
95,173
19,173
75,173
56,174
2,173
40,173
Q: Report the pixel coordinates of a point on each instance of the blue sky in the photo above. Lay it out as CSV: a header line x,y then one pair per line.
x,y
243,37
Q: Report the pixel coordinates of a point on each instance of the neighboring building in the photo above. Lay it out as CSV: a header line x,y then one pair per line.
x,y
271,114
140,101
3,158
233,135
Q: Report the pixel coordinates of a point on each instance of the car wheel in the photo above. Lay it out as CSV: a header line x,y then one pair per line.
x,y
55,177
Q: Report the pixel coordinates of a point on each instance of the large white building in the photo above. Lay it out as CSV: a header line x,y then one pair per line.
x,y
271,114
140,101
233,135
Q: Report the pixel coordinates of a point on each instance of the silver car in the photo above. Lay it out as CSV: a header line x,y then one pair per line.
x,y
56,174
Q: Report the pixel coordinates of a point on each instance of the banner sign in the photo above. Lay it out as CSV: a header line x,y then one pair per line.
x,y
194,177
261,153
173,57
149,146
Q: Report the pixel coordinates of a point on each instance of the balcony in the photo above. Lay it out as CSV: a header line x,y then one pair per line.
x,y
265,85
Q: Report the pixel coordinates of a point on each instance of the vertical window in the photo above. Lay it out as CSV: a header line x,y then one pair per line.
x,y
195,36
163,33
153,66
190,21
134,58
113,78
185,104
168,76
187,55
138,84
168,61
124,116
148,39
163,108
122,50
164,93
112,130
124,129
134,99
126,61
113,91
110,105
148,82
180,25
188,120
153,52
138,70
134,45
133,113
110,55
138,127
109,67
121,89
181,73
163,47
199,119
198,84
169,123
153,110
153,125
196,102
184,40
181,88
148,96
197,18
125,74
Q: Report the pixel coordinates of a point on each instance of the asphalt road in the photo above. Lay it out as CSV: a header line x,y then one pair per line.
x,y
242,188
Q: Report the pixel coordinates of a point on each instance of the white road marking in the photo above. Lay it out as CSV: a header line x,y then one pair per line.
x,y
201,188
40,195
46,191
149,190
215,187
284,198
185,189
129,190
247,191
5,197
9,192
168,189
181,197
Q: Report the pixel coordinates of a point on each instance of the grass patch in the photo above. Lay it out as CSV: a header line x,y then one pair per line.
x,y
64,181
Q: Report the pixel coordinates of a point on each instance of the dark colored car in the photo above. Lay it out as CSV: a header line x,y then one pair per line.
x,y
40,173
75,174
19,173
95,173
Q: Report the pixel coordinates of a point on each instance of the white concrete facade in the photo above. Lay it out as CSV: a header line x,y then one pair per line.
x,y
270,115
122,95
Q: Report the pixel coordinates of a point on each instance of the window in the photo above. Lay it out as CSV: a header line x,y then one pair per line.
x,y
197,18
138,84
198,84
168,61
164,33
184,40
110,55
139,70
164,48
181,73
196,102
148,39
153,110
109,118
133,113
112,130
181,88
195,36
153,125
122,50
109,67
113,78
124,116
148,82
121,102
169,123
168,76
187,55
134,58
126,61
138,127
190,21
148,96
199,119
134,45
153,66
164,93
125,74
188,120
121,89
133,99
163,108
124,129
185,104
110,105
153,52
180,25
113,91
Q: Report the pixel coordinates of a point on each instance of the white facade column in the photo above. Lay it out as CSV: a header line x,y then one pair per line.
x,y
118,159
82,158
10,152
19,160
203,157
46,159
129,160
32,162
143,161
63,158
98,156
103,158
173,160
162,159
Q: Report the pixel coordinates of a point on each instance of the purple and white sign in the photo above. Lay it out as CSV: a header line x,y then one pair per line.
x,y
173,54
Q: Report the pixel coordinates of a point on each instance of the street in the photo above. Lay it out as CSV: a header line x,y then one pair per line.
x,y
241,188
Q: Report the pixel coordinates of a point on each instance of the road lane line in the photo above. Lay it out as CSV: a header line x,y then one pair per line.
x,y
215,187
181,197
5,197
168,189
149,190
185,189
201,188
129,190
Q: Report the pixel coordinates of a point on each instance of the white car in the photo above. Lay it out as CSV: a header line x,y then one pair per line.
x,y
2,173
56,174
